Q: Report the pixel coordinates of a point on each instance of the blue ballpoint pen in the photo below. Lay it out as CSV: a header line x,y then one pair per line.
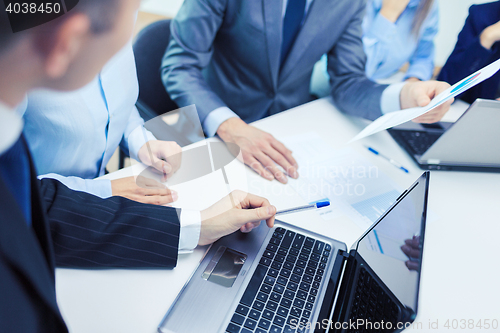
x,y
390,160
306,207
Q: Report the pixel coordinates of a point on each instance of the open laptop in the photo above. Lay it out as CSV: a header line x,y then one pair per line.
x,y
288,279
472,143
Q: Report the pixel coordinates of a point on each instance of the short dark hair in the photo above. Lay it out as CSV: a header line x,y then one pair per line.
x,y
100,12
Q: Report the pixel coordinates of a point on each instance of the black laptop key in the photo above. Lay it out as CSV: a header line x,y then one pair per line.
x,y
279,258
303,257
289,294
315,257
253,285
309,306
294,311
311,298
298,270
241,309
302,294
286,303
250,323
254,314
272,272
272,248
288,265
320,271
317,278
233,328
276,265
265,261
280,230
268,254
268,314
262,297
282,280
309,242
258,305
238,319
288,329
298,303
294,252
290,258
275,329
313,291
306,314
266,288
298,241
274,241
305,286
282,311
315,284
307,278
269,280
295,278
322,265
293,286
318,247
310,270
287,240
301,263
273,306
326,253
275,297
280,321
282,251
265,324
279,288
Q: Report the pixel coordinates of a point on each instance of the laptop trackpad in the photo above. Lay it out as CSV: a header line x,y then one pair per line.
x,y
224,267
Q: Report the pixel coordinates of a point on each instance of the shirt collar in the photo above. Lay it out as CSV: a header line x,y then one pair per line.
x,y
11,126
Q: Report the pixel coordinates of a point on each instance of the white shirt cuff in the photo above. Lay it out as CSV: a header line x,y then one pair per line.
x,y
216,118
137,139
391,98
190,230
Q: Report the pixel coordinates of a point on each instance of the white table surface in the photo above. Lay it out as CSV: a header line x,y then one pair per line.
x,y
460,266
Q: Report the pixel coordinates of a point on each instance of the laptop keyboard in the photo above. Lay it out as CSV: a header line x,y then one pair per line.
x,y
372,303
284,286
418,142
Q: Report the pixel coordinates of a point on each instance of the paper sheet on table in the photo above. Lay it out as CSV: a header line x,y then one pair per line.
x,y
399,117
356,188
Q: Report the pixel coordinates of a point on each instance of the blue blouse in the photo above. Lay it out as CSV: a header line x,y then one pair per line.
x,y
389,46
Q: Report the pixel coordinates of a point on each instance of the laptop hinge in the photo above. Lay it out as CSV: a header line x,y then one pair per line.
x,y
344,254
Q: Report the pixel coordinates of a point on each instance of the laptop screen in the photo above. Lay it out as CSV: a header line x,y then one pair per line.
x,y
393,248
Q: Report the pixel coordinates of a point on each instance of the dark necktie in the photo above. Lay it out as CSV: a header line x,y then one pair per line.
x,y
15,172
291,25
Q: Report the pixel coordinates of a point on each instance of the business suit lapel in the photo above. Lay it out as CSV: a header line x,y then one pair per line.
x,y
24,248
317,19
274,25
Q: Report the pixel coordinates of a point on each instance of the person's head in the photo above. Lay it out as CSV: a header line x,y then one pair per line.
x,y
423,10
68,52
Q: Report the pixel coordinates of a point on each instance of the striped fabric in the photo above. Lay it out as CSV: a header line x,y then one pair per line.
x,y
90,232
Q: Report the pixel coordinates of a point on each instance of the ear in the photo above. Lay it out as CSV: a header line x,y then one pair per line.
x,y
68,42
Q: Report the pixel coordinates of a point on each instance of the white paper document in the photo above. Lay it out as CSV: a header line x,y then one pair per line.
x,y
399,117
356,188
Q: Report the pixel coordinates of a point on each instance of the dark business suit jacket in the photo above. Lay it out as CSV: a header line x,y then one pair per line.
x,y
227,53
470,56
72,229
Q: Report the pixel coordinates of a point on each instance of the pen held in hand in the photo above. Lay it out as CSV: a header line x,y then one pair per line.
x,y
302,208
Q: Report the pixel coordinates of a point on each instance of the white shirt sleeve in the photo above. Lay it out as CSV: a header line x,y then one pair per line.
x,y
97,187
391,100
216,118
189,236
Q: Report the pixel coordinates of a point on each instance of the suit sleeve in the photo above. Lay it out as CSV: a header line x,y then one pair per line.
x,y
468,56
190,50
351,90
90,232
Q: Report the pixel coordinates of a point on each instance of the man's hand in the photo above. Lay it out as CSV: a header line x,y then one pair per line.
x,y
164,156
412,250
238,210
260,150
416,94
392,9
143,190
490,36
